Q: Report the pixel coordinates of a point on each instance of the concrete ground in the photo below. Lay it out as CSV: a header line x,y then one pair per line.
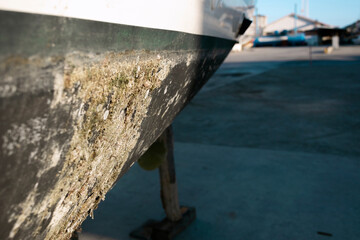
x,y
269,149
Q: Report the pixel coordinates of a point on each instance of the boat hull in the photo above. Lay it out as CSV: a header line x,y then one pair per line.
x,y
80,102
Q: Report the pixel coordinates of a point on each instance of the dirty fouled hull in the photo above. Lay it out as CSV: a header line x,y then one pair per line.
x,y
84,93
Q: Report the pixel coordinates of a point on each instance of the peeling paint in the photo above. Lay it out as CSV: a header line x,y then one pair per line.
x,y
25,208
59,88
7,90
189,59
18,135
54,161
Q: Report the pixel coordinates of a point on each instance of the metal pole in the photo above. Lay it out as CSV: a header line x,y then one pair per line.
x,y
307,8
295,11
256,22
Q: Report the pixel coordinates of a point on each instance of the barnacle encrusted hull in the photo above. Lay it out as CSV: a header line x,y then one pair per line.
x,y
77,110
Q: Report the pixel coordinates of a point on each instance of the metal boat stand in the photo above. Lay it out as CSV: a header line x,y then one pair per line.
x,y
177,218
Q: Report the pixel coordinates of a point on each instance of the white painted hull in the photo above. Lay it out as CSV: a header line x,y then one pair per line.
x,y
216,18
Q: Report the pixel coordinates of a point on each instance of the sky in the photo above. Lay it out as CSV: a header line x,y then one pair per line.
x,y
334,12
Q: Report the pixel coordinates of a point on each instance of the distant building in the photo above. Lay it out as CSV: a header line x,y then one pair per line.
x,y
290,23
353,32
257,26
354,28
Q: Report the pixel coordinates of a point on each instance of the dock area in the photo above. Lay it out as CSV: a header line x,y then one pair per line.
x,y
268,149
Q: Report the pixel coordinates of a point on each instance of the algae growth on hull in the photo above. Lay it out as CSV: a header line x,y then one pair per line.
x,y
80,135
114,96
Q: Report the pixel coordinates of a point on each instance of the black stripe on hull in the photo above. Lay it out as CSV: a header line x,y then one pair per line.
x,y
28,34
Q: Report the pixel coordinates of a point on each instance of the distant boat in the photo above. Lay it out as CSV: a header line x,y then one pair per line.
x,y
282,39
85,88
356,40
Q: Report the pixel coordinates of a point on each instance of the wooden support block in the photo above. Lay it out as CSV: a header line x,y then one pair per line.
x,y
165,229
